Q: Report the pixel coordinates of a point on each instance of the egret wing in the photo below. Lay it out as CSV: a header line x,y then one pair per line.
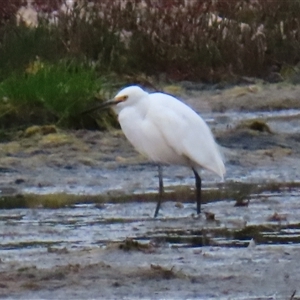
x,y
187,133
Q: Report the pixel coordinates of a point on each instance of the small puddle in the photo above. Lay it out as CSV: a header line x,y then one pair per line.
x,y
281,121
229,237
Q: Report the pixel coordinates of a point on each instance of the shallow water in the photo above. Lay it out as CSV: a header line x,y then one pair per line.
x,y
270,217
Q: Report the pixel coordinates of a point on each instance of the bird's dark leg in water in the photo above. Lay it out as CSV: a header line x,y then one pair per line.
x,y
198,191
161,190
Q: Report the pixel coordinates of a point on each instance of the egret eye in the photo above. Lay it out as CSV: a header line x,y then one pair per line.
x,y
121,98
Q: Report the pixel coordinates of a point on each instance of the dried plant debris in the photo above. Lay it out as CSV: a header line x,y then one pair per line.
x,y
165,273
132,245
209,216
242,202
276,217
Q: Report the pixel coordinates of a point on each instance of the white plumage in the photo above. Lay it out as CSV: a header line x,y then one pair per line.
x,y
167,131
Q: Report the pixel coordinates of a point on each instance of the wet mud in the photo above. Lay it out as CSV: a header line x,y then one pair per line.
x,y
76,217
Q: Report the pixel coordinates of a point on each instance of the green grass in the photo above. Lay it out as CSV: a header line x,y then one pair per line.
x,y
55,93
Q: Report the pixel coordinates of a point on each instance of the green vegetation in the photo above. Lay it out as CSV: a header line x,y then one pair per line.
x,y
51,93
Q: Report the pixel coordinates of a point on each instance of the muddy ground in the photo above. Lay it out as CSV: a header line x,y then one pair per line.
x,y
106,244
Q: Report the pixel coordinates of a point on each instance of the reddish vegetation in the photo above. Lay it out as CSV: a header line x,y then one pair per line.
x,y
184,39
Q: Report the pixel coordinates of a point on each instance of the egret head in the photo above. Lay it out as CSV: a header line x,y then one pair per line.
x,y
126,97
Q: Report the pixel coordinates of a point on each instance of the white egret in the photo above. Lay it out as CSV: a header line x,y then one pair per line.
x,y
167,131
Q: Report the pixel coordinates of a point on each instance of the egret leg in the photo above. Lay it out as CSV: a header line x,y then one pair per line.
x,y
161,190
198,191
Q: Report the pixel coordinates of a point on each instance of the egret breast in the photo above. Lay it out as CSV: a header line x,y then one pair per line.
x,y
146,137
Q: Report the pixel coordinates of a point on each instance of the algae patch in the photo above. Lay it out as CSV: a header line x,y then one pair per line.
x,y
55,140
52,201
255,125
234,191
43,130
